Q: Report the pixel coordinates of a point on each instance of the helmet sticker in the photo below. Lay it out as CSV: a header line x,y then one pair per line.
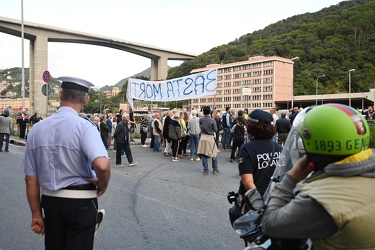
x,y
359,124
357,120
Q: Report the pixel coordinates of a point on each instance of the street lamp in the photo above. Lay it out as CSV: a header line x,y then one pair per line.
x,y
23,60
293,59
316,90
350,85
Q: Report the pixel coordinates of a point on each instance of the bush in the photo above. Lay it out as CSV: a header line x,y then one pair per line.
x,y
372,134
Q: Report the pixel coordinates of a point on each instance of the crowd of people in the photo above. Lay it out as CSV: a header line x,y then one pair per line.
x,y
255,140
179,134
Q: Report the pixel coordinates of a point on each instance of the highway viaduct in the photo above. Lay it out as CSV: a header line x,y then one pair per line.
x,y
39,36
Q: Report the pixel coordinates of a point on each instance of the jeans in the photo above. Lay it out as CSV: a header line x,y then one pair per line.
x,y
194,142
6,140
156,142
205,163
225,140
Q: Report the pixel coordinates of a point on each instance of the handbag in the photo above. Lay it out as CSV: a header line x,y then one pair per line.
x,y
145,129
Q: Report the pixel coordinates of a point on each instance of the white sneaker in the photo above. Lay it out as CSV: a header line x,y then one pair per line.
x,y
192,159
132,164
198,159
121,166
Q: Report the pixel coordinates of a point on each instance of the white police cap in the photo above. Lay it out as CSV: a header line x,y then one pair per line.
x,y
75,83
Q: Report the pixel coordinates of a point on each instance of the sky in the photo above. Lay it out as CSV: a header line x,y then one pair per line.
x,y
191,26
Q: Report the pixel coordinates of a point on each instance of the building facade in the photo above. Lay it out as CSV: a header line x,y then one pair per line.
x,y
257,83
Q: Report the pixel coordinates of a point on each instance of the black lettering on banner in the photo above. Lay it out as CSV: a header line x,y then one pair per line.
x,y
170,88
188,82
210,80
178,85
149,91
157,91
199,81
142,87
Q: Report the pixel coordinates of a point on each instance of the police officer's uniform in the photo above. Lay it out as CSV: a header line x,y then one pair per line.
x,y
59,151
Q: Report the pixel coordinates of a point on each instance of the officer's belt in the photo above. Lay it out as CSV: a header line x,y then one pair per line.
x,y
71,194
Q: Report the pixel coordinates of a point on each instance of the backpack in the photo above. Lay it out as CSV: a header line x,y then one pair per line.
x,y
239,131
219,125
224,120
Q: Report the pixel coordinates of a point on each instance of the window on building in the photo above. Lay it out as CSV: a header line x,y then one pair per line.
x,y
257,105
268,72
269,63
267,89
246,82
236,76
246,66
267,97
268,80
237,83
267,105
256,65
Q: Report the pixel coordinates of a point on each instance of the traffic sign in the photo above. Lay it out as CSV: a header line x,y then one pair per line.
x,y
46,76
46,89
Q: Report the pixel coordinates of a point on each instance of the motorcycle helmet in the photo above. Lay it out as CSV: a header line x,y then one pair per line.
x,y
334,129
325,134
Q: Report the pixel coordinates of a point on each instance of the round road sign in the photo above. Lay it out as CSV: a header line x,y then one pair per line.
x,y
46,89
46,76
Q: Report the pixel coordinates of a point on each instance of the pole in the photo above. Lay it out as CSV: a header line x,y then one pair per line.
x,y
23,60
350,84
293,59
316,90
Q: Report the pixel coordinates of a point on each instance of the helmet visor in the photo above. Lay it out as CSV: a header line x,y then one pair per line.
x,y
293,150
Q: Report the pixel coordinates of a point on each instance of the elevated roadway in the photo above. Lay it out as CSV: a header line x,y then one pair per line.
x,y
39,36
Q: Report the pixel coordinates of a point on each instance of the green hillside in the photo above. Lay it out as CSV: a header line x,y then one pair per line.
x,y
330,42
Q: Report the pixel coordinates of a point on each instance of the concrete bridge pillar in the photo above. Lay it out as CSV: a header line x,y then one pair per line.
x,y
38,64
159,68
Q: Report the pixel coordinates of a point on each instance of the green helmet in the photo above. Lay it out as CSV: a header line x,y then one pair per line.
x,y
334,129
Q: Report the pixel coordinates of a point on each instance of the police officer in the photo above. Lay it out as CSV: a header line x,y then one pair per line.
x,y
67,160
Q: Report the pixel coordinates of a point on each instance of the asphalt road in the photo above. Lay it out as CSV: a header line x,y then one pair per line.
x,y
158,204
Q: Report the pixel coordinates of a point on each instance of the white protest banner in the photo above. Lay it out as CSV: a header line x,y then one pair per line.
x,y
187,87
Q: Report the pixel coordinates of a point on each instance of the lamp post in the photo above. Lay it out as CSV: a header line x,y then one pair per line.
x,y
350,85
316,90
23,60
293,59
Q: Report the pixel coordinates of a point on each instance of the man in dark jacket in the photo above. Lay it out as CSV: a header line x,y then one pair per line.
x,y
22,121
282,128
122,138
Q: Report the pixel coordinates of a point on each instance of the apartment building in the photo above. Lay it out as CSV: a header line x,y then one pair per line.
x,y
258,83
